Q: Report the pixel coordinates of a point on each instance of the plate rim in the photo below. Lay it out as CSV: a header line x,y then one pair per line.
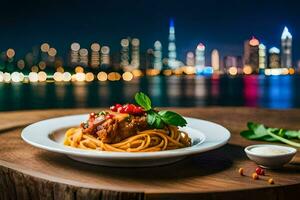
x,y
59,148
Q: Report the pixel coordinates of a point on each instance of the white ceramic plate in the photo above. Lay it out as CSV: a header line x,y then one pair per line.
x,y
49,134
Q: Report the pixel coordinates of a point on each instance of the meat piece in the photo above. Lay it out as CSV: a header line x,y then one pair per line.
x,y
113,131
117,128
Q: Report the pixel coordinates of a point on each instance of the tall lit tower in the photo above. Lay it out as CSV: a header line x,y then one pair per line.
x,y
190,59
200,58
215,60
262,57
286,48
251,58
95,55
274,58
124,53
157,63
105,57
135,53
172,46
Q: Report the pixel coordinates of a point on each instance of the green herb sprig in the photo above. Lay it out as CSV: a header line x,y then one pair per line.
x,y
158,119
261,132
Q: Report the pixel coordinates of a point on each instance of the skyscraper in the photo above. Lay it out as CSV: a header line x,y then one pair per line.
x,y
190,59
95,55
229,61
172,46
274,58
200,58
105,58
215,60
262,56
286,48
135,53
74,53
157,63
251,57
124,53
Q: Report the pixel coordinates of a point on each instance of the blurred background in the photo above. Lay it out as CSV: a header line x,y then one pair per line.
x,y
66,54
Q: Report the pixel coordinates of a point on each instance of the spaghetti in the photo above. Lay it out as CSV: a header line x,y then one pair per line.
x,y
143,141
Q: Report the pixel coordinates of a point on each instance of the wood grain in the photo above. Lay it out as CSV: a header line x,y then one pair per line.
x,y
30,173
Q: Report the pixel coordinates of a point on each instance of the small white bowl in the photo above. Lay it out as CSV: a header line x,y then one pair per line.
x,y
271,161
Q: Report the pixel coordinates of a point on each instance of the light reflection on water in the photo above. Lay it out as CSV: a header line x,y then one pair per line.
x,y
251,91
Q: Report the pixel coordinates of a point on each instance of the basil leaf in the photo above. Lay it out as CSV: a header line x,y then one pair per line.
x,y
151,118
159,123
172,118
154,120
143,100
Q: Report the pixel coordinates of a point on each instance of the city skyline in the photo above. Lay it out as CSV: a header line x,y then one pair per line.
x,y
215,23
256,55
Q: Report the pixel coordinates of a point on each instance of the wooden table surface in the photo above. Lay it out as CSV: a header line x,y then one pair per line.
x,y
30,173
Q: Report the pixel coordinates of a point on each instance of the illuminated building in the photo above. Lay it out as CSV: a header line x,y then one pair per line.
x,y
200,58
105,57
274,58
95,55
190,59
286,48
150,59
172,47
124,53
251,58
229,62
262,57
157,63
215,60
135,53
83,57
74,54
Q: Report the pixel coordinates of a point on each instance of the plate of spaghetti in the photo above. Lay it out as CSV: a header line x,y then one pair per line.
x,y
129,135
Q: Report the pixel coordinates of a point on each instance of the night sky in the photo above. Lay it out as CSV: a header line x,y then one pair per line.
x,y
218,24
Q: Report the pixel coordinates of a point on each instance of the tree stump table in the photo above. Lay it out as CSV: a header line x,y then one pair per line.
x,y
27,172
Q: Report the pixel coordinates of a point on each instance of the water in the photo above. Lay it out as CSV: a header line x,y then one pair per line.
x,y
280,92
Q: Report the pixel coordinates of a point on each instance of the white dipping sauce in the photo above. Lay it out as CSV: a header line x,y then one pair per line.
x,y
269,150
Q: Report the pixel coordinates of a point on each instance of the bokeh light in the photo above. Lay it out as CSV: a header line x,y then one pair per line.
x,y
152,72
79,69
291,71
95,47
15,77
167,72
10,53
58,76
67,76
89,77
6,77
114,76
80,77
75,46
52,52
60,69
33,77
247,69
233,71
102,76
137,73
42,65
83,52
45,47
127,76
42,76
34,68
